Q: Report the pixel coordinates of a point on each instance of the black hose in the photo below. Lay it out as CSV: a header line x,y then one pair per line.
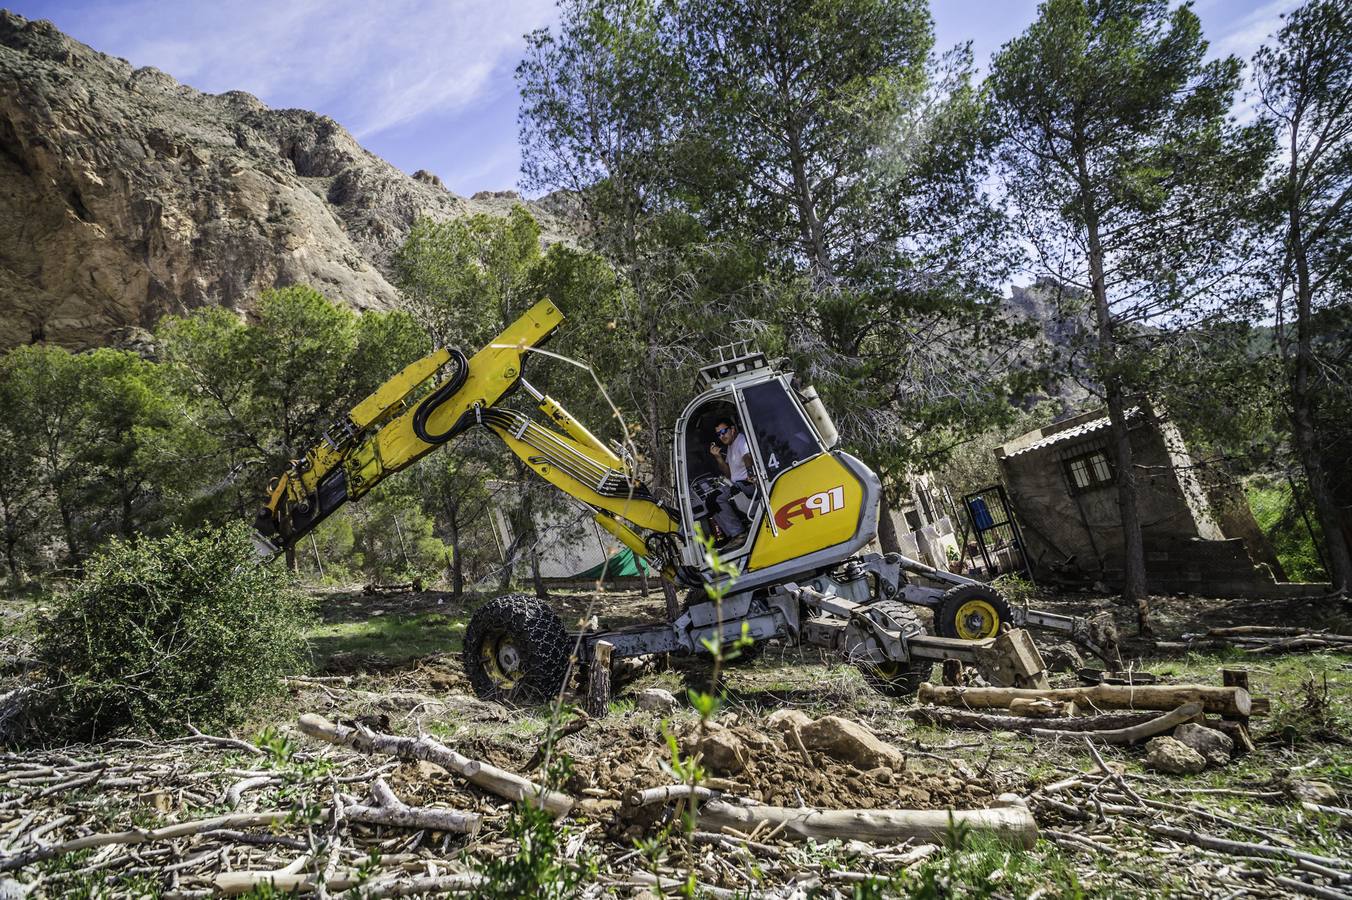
x,y
440,396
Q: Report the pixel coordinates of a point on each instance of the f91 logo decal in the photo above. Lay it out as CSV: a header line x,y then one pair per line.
x,y
811,506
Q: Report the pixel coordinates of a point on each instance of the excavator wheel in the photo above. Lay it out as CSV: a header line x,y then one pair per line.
x,y
745,657
971,612
896,678
516,650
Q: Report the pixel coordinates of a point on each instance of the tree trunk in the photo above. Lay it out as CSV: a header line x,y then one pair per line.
x,y
457,564
888,539
68,527
12,560
1133,547
540,590
1303,429
814,237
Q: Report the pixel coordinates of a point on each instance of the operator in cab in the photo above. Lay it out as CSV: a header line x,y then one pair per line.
x,y
733,457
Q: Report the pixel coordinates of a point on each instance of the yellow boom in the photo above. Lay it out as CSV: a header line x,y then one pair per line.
x,y
431,401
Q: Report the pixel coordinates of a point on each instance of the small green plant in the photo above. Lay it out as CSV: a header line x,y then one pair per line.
x,y
1019,591
278,746
166,632
538,869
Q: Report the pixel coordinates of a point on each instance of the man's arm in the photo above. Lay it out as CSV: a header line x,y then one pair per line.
x,y
717,453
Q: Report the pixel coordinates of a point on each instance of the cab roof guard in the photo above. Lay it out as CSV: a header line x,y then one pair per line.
x,y
735,359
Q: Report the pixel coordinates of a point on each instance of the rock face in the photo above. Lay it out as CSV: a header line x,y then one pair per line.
x,y
125,195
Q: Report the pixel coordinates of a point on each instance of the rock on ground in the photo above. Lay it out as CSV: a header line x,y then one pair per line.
x,y
656,699
722,751
786,720
846,740
1062,658
1215,746
1167,754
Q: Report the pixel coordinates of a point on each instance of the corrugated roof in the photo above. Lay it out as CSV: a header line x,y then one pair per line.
x,y
1078,431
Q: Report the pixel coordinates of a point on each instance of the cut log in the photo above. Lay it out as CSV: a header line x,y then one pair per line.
x,y
1237,730
490,778
598,681
1135,733
1038,709
1221,700
964,718
1014,825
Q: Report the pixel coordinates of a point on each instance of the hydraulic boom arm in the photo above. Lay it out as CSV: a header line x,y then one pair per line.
x,y
401,422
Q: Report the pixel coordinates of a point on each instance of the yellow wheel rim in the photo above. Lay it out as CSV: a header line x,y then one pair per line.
x,y
501,660
977,619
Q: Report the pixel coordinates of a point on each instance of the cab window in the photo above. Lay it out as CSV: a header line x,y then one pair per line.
x,y
778,427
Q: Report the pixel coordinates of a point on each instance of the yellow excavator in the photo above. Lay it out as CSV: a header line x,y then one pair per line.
x,y
802,571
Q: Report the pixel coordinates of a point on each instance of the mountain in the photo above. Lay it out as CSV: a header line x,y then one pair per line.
x,y
125,195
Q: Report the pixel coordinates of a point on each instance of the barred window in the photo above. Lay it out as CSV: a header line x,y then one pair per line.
x,y
1089,470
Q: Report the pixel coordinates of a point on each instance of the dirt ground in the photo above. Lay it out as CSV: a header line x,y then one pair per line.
x,y
393,663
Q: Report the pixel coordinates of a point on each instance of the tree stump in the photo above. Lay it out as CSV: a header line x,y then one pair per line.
x,y
598,681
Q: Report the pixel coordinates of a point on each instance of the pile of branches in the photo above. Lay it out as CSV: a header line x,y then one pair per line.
x,y
1130,819
208,816
1261,639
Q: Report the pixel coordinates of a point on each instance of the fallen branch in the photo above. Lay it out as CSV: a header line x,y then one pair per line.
x,y
1014,824
1135,733
1244,848
390,810
228,743
492,779
138,836
675,884
233,883
663,794
963,718
1221,700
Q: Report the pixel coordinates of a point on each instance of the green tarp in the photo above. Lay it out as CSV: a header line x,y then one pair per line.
x,y
622,563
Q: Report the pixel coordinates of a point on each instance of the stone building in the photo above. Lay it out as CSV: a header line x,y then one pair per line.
x,y
1200,535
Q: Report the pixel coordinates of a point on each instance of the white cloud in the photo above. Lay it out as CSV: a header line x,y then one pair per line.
x,y
376,65
1243,36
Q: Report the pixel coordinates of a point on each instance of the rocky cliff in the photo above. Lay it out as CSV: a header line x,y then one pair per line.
x,y
125,195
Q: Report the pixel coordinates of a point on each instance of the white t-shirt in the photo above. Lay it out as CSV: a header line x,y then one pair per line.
x,y
736,454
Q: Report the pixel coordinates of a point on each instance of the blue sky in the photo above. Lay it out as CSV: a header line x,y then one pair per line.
x,y
427,84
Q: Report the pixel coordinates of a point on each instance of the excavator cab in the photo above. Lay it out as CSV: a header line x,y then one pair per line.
x,y
804,506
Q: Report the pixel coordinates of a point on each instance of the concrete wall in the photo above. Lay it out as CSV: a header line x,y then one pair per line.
x,y
1069,533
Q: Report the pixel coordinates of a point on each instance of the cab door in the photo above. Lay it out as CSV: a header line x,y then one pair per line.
x,y
812,500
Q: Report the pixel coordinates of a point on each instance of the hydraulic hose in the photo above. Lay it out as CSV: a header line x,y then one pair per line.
x,y
440,396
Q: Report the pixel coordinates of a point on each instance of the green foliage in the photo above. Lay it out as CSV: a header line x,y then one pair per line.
x,y
1278,512
393,539
465,279
166,632
259,393
1116,147
538,867
92,446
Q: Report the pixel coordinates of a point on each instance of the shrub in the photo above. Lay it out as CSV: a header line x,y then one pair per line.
x,y
164,632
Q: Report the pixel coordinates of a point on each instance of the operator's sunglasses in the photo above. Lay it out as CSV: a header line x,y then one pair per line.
x,y
722,431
